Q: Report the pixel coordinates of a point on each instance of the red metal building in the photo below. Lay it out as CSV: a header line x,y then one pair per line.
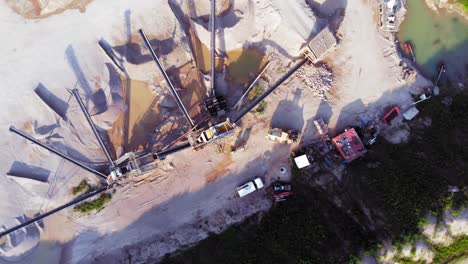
x,y
349,145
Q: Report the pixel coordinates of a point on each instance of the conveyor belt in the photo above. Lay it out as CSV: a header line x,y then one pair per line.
x,y
37,218
93,127
28,137
166,78
267,92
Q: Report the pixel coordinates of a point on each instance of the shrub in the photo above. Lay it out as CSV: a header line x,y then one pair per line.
x,y
456,250
96,204
261,107
83,186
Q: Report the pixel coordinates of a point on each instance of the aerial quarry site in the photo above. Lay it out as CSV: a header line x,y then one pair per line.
x,y
151,124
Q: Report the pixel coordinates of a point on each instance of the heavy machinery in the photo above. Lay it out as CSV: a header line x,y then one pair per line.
x,y
129,164
199,138
280,136
122,167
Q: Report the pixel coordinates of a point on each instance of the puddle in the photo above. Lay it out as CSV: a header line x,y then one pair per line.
x,y
133,127
243,65
203,55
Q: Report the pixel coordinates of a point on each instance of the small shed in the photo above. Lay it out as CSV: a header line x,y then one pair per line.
x,y
410,113
301,161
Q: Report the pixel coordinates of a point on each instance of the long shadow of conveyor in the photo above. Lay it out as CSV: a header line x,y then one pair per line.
x,y
267,92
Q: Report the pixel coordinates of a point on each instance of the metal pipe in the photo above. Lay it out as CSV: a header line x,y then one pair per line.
x,y
442,69
271,89
56,152
252,85
37,218
213,47
157,155
168,81
93,127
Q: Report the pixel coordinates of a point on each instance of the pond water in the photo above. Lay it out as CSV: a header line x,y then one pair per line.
x,y
244,64
436,38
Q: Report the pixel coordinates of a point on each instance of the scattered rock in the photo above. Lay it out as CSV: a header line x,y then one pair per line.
x,y
318,79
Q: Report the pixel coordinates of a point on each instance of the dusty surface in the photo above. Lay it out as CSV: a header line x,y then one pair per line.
x,y
41,9
190,193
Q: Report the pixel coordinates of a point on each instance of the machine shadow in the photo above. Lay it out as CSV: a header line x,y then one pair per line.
x,y
288,115
201,223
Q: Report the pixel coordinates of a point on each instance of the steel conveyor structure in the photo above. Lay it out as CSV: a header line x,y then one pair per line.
x,y
93,127
270,90
56,152
213,46
51,212
168,81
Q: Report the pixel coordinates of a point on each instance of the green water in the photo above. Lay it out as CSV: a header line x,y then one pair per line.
x,y
437,37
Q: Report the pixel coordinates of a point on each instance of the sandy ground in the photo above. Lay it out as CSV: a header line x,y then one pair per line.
x,y
189,194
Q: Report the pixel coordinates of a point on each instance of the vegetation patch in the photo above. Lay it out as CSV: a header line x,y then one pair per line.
x,y
464,3
411,179
260,109
96,204
256,92
83,186
455,251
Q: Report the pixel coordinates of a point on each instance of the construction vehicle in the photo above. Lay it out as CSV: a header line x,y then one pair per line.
x,y
250,187
199,138
279,191
118,169
280,136
129,164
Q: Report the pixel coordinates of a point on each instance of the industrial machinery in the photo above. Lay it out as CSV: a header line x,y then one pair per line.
x,y
198,138
280,136
122,167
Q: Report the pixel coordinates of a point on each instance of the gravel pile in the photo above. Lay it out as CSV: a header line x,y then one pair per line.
x,y
318,79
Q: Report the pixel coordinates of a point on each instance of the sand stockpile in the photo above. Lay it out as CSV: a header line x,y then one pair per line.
x,y
44,60
279,26
18,244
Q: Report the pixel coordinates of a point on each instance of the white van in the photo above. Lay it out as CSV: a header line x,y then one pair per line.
x,y
250,187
